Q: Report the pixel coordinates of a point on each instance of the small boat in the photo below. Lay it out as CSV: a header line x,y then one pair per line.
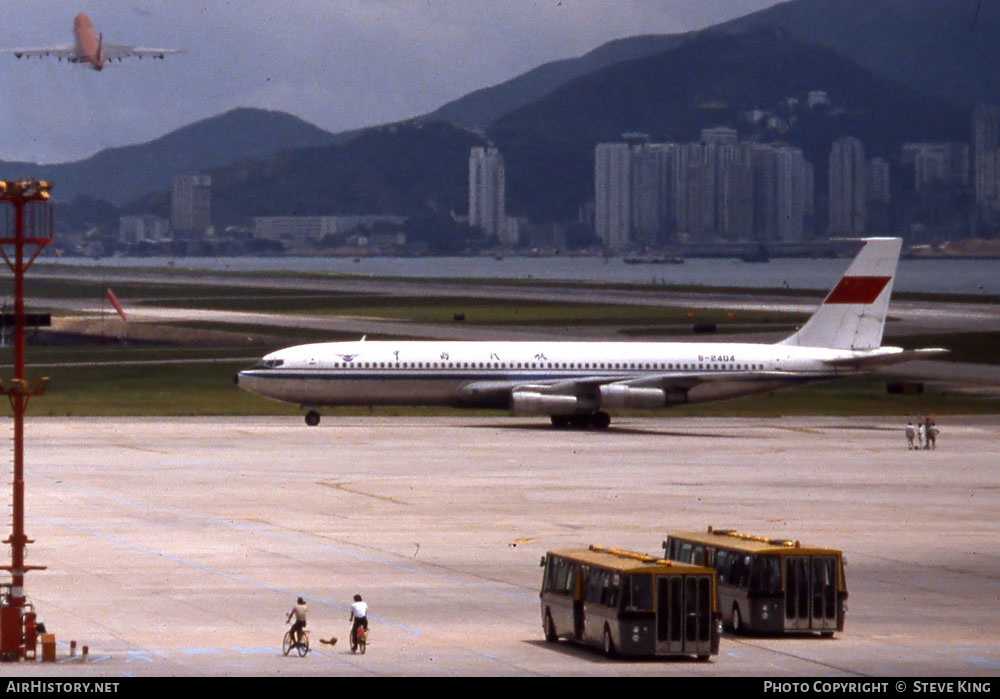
x,y
657,260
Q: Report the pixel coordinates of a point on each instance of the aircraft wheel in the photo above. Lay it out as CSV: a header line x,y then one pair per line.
x,y
579,421
560,421
601,420
312,418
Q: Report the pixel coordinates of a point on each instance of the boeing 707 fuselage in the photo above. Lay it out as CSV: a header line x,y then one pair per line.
x,y
581,383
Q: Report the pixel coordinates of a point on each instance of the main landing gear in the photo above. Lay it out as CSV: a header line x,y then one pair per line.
x,y
312,418
597,421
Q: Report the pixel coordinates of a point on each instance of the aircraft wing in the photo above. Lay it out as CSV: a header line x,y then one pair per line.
x,y
67,51
116,52
670,382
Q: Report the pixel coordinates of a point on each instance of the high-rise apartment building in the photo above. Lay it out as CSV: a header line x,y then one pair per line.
x,y
847,187
877,181
793,189
713,190
719,136
734,192
613,194
651,171
487,191
191,206
941,163
986,154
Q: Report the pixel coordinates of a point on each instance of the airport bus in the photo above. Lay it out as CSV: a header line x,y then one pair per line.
x,y
629,603
769,585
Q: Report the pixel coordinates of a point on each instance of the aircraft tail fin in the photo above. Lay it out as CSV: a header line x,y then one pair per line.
x,y
853,314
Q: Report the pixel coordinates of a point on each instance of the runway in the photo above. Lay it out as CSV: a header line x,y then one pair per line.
x,y
177,546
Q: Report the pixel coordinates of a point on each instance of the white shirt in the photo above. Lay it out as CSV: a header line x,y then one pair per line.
x,y
359,610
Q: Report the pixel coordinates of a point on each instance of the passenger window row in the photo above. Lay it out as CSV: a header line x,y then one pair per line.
x,y
637,366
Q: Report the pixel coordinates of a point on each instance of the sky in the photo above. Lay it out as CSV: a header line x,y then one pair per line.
x,y
339,64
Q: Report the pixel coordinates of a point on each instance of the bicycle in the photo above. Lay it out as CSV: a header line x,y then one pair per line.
x,y
289,643
359,640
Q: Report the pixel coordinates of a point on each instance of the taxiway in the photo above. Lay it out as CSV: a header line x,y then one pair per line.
x,y
177,546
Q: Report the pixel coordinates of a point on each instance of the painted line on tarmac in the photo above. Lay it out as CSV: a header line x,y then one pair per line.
x,y
261,530
215,571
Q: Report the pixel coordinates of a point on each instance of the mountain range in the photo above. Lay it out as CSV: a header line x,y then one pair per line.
x,y
945,49
122,174
894,70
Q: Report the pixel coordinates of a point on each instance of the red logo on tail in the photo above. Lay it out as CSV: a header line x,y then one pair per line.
x,y
859,290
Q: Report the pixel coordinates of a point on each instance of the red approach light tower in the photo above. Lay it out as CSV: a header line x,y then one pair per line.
x,y
26,220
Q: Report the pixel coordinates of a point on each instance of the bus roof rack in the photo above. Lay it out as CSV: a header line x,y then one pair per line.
x,y
751,537
645,558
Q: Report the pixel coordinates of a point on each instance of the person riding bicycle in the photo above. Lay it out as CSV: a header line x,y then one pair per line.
x,y
359,615
299,612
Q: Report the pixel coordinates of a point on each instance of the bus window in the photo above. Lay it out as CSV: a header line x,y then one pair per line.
x,y
690,608
560,575
698,556
704,608
765,574
676,612
549,582
740,572
595,586
611,591
684,555
639,593
722,565
824,587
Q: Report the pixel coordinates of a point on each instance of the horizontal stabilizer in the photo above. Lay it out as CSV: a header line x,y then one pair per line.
x,y
884,358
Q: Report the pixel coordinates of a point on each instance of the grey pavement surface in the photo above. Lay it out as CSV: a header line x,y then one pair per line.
x,y
177,546
906,317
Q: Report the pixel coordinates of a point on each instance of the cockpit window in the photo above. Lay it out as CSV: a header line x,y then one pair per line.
x,y
268,364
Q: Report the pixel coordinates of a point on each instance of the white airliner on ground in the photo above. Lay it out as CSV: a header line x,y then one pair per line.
x,y
89,48
577,384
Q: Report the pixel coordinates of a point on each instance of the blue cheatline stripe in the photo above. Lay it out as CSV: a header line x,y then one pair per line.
x,y
432,375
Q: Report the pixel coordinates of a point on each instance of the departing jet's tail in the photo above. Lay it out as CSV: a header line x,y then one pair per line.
x,y
853,314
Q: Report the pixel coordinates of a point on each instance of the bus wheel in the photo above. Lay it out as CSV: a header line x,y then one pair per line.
x,y
550,628
312,418
609,645
737,619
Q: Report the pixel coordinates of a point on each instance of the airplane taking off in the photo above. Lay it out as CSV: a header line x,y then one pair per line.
x,y
89,48
576,384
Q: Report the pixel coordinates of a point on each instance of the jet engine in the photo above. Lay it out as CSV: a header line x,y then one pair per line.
x,y
532,403
616,397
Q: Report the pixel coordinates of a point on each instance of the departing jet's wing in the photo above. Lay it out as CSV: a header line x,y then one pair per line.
x,y
116,52
67,51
